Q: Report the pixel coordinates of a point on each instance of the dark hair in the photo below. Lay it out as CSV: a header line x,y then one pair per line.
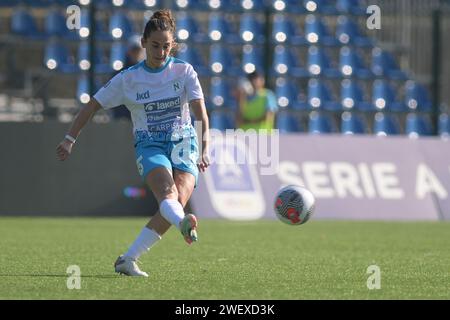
x,y
253,75
161,20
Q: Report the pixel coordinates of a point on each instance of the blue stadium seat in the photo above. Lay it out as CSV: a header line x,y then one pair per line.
x,y
83,95
354,7
285,62
352,96
85,28
327,7
319,63
252,5
385,124
384,97
221,94
347,32
352,123
117,57
316,32
120,26
286,122
84,63
190,5
288,95
351,64
24,24
55,25
223,6
219,29
83,90
188,29
444,125
222,61
417,125
416,97
284,31
321,97
384,65
250,29
321,123
221,120
251,59
136,4
291,6
57,57
36,3
191,55
100,4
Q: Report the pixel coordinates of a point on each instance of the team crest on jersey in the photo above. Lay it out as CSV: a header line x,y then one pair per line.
x,y
176,86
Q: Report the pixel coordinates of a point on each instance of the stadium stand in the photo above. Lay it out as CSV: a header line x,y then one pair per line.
x,y
287,122
385,124
444,125
316,55
320,123
352,123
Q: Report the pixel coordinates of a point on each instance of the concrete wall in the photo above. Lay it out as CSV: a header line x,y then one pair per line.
x,y
91,182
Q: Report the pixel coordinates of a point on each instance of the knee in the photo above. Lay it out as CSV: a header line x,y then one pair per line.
x,y
167,192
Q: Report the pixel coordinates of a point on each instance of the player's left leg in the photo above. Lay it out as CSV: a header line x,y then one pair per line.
x,y
185,183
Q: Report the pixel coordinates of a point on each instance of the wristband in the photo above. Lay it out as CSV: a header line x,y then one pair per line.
x,y
70,138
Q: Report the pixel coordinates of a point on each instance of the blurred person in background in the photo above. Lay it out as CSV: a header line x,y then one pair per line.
x,y
257,104
135,54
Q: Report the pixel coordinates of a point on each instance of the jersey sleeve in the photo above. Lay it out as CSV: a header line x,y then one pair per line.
x,y
272,105
193,88
111,94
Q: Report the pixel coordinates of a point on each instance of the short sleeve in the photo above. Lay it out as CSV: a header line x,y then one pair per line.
x,y
193,88
272,105
111,94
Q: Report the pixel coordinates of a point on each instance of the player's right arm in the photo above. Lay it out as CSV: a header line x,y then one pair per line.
x,y
84,115
109,96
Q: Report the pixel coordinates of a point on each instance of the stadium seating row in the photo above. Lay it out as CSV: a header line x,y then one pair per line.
x,y
384,97
251,29
286,62
318,96
340,71
350,123
331,7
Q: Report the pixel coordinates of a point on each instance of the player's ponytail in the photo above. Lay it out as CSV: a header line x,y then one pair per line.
x,y
161,20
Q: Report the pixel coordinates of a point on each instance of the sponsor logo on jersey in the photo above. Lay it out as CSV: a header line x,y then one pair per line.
x,y
142,96
163,104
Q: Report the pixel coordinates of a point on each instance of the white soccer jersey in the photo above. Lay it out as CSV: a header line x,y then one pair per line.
x,y
158,99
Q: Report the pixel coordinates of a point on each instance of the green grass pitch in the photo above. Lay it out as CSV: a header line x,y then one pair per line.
x,y
232,260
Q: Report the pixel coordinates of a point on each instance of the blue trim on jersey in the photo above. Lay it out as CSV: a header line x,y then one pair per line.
x,y
176,60
156,70
136,66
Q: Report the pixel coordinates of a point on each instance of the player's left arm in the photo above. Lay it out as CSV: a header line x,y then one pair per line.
x,y
199,109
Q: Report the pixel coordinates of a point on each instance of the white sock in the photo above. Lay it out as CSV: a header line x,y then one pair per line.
x,y
172,211
146,239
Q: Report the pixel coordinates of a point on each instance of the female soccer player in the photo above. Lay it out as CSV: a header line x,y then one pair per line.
x,y
158,92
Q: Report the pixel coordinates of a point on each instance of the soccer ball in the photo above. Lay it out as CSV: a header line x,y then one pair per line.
x,y
294,205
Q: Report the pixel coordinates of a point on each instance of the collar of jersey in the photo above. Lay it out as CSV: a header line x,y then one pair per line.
x,y
156,70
